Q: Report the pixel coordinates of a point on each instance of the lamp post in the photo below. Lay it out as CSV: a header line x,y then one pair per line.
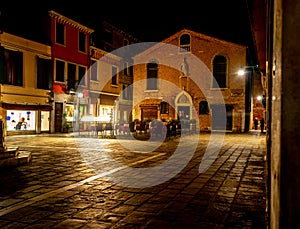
x,y
248,72
79,96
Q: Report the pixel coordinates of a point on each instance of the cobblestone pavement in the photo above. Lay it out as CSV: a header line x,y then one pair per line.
x,y
72,183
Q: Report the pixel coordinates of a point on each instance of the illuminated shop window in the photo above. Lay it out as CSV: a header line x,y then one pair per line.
x,y
69,110
19,120
106,113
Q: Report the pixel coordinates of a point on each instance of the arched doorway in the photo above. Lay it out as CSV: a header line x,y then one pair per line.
x,y
183,104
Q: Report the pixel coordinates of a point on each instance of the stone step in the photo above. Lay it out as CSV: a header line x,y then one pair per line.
x,y
22,157
9,152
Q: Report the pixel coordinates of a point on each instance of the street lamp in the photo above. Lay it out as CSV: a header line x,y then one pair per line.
x,y
248,71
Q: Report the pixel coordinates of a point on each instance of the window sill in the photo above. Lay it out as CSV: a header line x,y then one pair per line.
x,y
216,88
151,90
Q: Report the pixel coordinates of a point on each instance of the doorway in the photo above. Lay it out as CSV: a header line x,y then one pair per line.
x,y
58,116
45,121
218,113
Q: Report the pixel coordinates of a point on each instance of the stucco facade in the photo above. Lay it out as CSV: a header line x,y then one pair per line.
x,y
22,94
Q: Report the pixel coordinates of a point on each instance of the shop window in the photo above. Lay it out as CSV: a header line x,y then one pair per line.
x,y
20,120
69,113
44,73
152,69
220,72
11,67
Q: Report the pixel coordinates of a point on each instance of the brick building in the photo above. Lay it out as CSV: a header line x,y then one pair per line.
x,y
174,80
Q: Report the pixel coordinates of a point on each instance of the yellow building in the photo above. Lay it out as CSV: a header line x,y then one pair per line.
x,y
26,80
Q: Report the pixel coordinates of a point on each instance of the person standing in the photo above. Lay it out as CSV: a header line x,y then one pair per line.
x,y
255,123
262,125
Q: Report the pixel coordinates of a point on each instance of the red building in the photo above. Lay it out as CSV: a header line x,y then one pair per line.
x,y
70,55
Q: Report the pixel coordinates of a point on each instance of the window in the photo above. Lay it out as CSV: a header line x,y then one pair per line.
x,y
114,75
11,67
94,70
44,73
131,70
125,69
185,43
108,36
127,92
60,70
60,33
220,72
164,108
82,42
152,69
71,77
81,73
203,107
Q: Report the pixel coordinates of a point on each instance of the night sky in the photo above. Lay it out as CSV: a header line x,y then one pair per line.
x,y
147,20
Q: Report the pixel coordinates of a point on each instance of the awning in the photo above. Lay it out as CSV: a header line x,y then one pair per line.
x,y
12,106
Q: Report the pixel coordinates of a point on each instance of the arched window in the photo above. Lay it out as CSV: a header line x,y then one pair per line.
x,y
152,69
220,72
185,43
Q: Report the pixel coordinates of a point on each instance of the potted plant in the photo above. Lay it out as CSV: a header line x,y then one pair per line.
x,y
66,127
66,124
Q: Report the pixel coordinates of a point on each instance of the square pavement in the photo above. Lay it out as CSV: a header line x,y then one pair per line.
x,y
71,183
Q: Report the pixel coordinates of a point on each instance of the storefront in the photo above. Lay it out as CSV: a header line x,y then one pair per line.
x,y
27,119
20,120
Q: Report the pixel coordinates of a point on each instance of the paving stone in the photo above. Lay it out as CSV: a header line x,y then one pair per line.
x,y
59,189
